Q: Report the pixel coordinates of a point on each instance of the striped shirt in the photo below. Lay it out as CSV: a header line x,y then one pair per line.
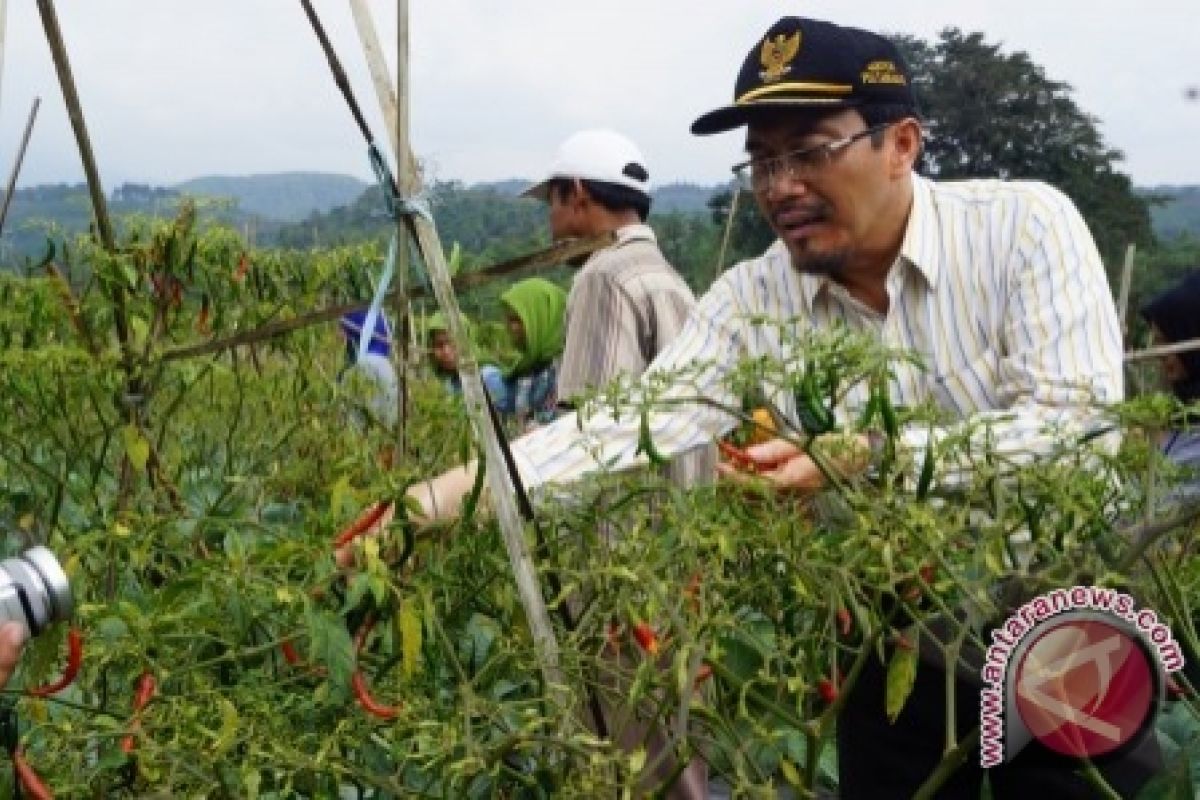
x,y
998,287
626,304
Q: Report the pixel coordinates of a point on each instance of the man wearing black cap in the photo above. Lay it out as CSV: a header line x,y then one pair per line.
x,y
998,286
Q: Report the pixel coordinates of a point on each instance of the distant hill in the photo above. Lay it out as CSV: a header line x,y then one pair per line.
x,y
1180,215
284,196
666,199
682,197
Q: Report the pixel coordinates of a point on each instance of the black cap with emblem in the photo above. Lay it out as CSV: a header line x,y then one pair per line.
x,y
808,64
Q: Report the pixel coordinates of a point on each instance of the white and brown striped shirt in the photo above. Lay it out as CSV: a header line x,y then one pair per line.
x,y
998,287
626,304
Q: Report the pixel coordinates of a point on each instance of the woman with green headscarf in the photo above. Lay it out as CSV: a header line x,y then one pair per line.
x,y
535,311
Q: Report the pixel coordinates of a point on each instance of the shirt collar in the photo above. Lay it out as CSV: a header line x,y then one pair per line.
x,y
920,248
639,231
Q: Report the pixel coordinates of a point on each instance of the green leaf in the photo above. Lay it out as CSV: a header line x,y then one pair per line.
x,y
136,447
229,727
901,674
410,636
332,646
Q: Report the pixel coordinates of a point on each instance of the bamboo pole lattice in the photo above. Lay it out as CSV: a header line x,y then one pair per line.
x,y
422,228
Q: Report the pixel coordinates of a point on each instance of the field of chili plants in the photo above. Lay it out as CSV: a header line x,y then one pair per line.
x,y
194,499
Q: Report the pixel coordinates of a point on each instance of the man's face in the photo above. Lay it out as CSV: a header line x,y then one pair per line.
x,y
441,350
565,213
827,217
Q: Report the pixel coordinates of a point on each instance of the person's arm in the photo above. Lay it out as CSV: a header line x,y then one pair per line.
x,y
709,346
12,640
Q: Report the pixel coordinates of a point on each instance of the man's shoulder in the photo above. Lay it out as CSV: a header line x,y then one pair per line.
x,y
995,191
631,262
772,261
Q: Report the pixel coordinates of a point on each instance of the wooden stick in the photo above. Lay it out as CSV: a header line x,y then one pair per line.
x,y
75,112
16,170
1164,350
542,259
398,136
100,208
733,207
507,515
1126,277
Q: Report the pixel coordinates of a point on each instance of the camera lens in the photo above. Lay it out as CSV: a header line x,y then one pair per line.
x,y
34,590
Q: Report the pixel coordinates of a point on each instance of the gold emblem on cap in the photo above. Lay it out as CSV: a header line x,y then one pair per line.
x,y
777,55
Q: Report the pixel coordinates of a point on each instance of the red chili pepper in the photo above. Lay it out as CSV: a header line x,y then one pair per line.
x,y
74,660
740,458
146,688
845,622
290,655
239,272
703,674
33,784
646,638
901,641
372,706
362,524
829,688
358,683
927,572
202,325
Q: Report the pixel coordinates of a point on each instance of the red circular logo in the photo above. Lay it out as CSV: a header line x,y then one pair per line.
x,y
1085,687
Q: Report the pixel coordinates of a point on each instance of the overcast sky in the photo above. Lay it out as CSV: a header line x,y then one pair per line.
x,y
174,89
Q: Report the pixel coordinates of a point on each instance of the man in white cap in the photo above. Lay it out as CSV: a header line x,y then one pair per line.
x,y
626,302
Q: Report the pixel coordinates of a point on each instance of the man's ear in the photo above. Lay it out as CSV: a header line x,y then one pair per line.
x,y
579,198
906,146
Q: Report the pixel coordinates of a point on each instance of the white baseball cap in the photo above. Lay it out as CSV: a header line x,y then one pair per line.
x,y
596,155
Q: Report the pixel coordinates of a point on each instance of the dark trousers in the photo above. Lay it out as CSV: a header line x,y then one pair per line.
x,y
877,759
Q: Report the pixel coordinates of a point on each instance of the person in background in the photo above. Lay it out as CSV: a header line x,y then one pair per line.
x,y
626,302
534,311
443,357
374,367
1174,316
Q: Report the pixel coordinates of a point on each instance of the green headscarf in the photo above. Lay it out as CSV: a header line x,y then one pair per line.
x,y
541,306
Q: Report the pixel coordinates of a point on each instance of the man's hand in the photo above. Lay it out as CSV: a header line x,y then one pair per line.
x,y
785,466
439,499
12,639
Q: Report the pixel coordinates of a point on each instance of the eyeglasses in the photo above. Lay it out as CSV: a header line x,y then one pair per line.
x,y
798,165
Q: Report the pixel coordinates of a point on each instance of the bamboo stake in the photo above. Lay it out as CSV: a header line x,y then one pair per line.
x,y
1164,350
552,256
75,112
733,207
1126,278
503,497
16,170
398,136
134,390
100,208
